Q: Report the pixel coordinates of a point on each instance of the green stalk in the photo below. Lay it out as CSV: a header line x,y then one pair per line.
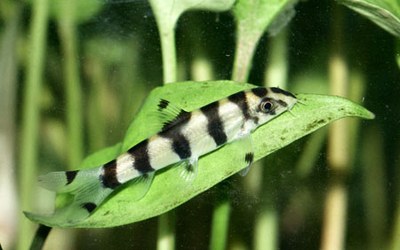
x,y
245,46
167,36
29,143
310,152
166,27
95,118
266,222
68,35
395,240
276,72
266,225
8,89
220,223
374,183
335,213
166,231
166,19
40,237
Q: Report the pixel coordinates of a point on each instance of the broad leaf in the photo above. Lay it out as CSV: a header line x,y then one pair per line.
x,y
168,189
385,13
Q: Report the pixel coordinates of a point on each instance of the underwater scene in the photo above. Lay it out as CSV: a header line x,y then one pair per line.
x,y
199,124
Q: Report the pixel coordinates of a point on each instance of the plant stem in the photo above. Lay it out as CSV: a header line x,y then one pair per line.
x,y
40,237
72,83
166,231
334,228
276,72
8,88
167,36
395,240
30,115
166,27
220,224
266,227
245,46
374,183
166,20
266,222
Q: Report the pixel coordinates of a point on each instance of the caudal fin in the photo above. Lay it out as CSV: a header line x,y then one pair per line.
x,y
84,185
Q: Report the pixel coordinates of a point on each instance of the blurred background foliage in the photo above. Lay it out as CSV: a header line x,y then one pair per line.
x,y
73,74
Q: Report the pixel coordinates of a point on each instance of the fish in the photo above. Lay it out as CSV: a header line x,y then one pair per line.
x,y
184,137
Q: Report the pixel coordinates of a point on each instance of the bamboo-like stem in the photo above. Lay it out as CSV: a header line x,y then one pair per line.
x,y
394,243
166,21
276,71
334,225
8,100
166,231
245,46
220,223
395,240
95,118
374,183
166,27
40,237
335,213
30,116
266,227
72,83
266,222
310,153
167,37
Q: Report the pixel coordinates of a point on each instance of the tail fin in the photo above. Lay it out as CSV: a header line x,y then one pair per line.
x,y
86,187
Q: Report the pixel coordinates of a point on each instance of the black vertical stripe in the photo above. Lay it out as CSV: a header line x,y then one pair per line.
x,y
181,146
260,92
240,100
214,127
71,176
141,157
172,131
109,176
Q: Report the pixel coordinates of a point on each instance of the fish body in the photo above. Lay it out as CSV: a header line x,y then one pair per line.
x,y
184,137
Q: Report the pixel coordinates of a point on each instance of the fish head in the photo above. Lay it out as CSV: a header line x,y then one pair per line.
x,y
268,103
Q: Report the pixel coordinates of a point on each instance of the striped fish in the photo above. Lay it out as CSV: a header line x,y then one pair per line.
x,y
184,138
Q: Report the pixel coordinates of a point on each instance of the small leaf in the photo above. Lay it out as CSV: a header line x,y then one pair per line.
x,y
385,13
167,12
257,15
168,190
253,18
80,11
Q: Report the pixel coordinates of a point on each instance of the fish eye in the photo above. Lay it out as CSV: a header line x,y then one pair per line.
x,y
266,106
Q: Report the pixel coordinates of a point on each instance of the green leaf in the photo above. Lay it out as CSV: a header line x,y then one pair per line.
x,y
257,15
79,11
385,13
167,12
253,18
168,189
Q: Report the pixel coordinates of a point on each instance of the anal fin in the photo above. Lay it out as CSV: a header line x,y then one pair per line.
x,y
141,185
189,169
248,156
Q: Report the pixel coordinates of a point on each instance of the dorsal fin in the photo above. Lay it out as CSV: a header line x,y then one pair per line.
x,y
171,115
